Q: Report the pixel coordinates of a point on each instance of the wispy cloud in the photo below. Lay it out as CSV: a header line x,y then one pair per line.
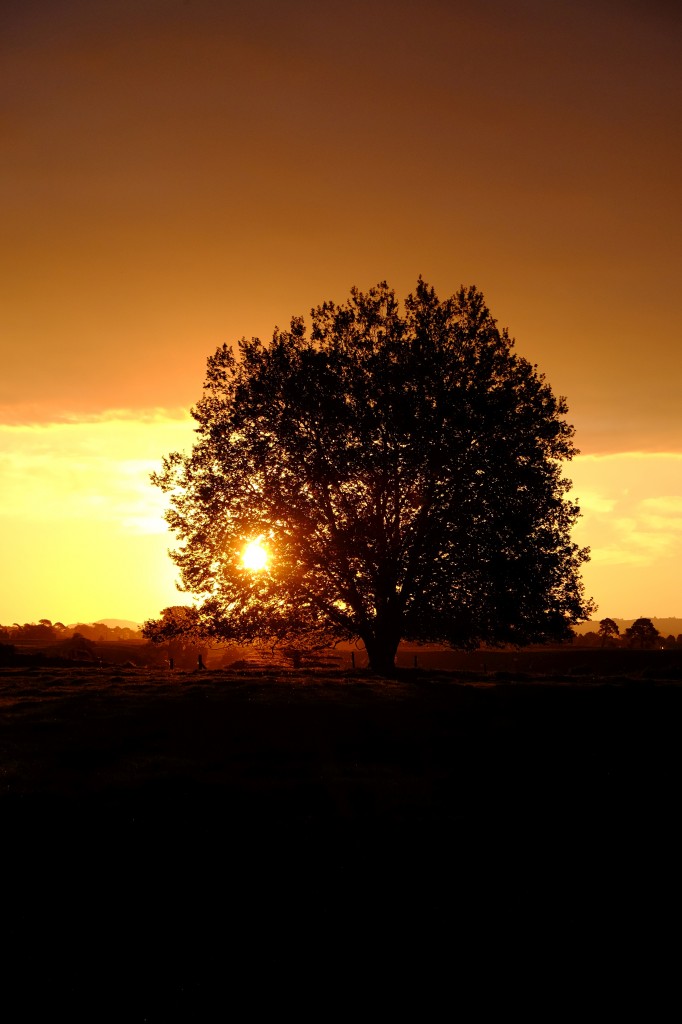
x,y
96,468
631,506
82,530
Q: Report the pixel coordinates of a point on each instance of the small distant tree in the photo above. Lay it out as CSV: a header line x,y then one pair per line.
x,y
80,648
177,622
178,630
405,471
642,633
608,631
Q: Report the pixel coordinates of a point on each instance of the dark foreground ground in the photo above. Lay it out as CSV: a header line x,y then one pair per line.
x,y
173,845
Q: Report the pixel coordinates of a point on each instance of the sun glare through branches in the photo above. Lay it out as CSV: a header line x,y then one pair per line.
x,y
254,556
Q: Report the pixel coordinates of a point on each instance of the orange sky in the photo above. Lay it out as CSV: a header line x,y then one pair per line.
x,y
177,174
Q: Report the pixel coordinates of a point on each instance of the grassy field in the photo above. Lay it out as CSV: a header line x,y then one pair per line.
x,y
160,829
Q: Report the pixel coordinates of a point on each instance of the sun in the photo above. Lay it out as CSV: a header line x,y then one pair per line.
x,y
254,556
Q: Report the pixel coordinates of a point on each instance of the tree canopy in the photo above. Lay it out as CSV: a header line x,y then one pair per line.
x,y
643,633
608,631
403,471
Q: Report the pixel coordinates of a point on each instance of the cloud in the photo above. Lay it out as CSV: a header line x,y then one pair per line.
x,y
94,469
82,533
592,502
631,505
663,513
30,414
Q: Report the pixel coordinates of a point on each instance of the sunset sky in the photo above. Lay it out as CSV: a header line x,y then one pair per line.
x,y
178,173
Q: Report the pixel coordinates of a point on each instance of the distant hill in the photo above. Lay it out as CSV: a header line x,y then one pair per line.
x,y
113,623
110,623
665,627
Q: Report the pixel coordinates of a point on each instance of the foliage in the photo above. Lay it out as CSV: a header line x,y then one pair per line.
x,y
608,631
175,623
643,633
178,630
404,471
46,632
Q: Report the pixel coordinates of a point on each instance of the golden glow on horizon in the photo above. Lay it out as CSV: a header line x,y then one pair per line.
x,y
254,556
82,534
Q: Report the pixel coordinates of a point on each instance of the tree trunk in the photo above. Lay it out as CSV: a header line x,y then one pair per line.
x,y
381,651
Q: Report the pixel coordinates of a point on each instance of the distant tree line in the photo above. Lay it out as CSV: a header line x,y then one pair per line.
x,y
641,635
45,632
174,648
94,642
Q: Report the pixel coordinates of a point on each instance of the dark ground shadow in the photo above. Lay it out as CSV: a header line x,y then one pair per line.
x,y
173,847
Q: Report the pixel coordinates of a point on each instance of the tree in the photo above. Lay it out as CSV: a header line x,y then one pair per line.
x,y
178,628
403,471
643,633
37,632
608,630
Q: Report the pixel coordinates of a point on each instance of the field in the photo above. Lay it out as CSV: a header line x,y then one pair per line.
x,y
162,832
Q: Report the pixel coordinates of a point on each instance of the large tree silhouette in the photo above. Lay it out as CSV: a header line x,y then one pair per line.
x,y
404,471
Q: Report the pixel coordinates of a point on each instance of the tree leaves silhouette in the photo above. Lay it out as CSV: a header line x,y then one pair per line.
x,y
404,468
